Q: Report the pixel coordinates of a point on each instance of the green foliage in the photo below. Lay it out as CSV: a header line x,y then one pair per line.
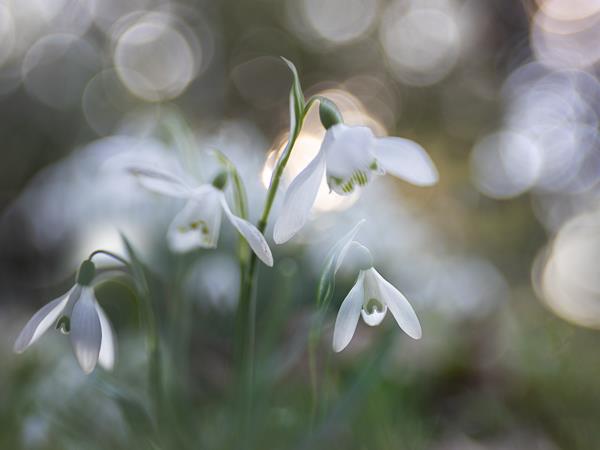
x,y
297,102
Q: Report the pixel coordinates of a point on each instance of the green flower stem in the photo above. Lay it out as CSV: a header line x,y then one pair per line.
x,y
313,343
111,254
279,168
150,320
356,394
324,296
153,345
247,305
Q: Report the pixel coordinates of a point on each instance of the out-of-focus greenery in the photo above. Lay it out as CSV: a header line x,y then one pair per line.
x,y
511,374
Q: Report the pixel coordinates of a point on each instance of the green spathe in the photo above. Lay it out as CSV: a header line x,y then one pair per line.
x,y
220,181
329,113
87,270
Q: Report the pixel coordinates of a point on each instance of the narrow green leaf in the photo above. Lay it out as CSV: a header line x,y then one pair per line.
x,y
177,132
134,411
332,263
149,318
136,268
297,101
239,190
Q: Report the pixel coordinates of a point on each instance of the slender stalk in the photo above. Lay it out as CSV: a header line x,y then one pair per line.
x,y
313,340
150,321
247,304
281,163
111,254
153,345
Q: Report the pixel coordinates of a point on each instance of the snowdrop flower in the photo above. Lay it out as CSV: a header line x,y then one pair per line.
x,y
349,156
78,314
370,298
199,222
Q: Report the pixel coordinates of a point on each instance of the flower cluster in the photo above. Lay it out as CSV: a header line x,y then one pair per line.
x,y
350,157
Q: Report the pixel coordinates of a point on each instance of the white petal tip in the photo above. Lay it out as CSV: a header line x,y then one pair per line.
x,y
18,350
416,335
280,237
87,370
432,179
279,240
266,259
413,330
20,345
338,347
422,180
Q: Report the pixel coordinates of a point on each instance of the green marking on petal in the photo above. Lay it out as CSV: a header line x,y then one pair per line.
x,y
372,306
348,187
199,225
64,325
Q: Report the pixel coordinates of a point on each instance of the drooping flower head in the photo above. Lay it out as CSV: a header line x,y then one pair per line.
x,y
199,223
350,157
370,298
77,314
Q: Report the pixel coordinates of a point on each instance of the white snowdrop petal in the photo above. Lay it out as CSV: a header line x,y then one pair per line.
x,y
299,200
399,306
198,224
43,319
86,331
347,318
348,149
161,182
108,345
254,237
405,159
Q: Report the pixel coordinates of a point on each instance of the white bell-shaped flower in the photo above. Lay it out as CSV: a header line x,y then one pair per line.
x,y
370,298
199,222
350,156
78,314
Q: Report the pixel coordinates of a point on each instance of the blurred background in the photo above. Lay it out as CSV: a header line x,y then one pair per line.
x,y
500,259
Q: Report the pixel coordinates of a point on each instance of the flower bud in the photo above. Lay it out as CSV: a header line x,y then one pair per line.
x,y
220,181
87,270
329,113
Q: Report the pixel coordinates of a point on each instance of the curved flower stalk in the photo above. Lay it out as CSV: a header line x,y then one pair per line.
x,y
349,156
370,298
199,223
78,314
